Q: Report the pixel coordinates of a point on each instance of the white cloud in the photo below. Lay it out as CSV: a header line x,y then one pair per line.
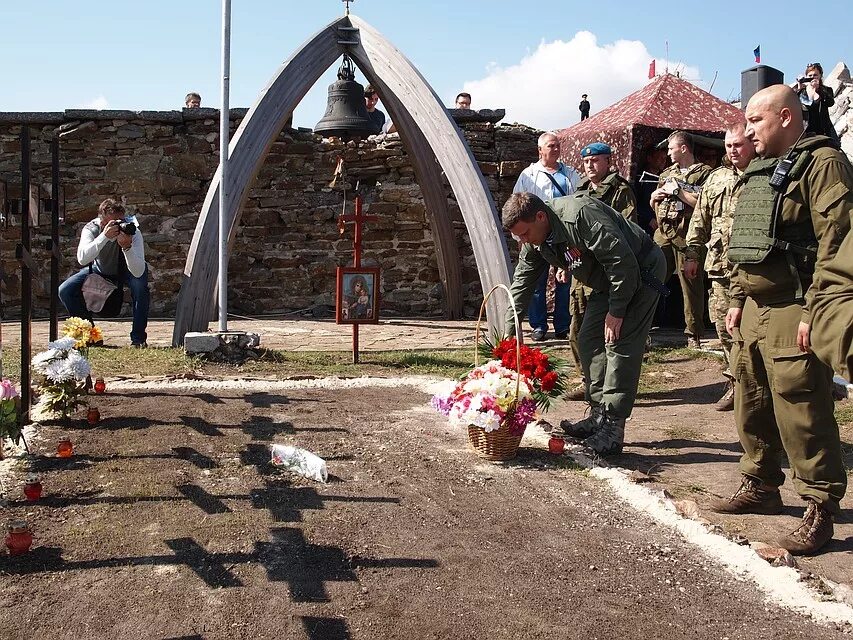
x,y
98,103
544,88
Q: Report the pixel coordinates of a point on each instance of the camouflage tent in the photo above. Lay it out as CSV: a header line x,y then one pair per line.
x,y
639,121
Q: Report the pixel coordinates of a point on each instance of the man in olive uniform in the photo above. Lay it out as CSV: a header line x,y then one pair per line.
x,y
605,184
793,212
832,311
711,226
624,268
673,202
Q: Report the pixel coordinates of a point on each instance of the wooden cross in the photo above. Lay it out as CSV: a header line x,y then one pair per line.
x,y
347,4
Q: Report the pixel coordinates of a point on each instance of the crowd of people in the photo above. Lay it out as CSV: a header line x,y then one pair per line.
x,y
769,229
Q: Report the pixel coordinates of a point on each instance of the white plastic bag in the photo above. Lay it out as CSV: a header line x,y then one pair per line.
x,y
299,461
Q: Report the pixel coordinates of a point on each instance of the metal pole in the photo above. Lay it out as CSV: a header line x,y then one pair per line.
x,y
224,122
26,277
54,237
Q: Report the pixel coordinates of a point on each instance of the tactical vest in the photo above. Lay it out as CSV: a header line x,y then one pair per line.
x,y
756,232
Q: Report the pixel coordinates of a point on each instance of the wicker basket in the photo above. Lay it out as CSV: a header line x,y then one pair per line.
x,y
499,444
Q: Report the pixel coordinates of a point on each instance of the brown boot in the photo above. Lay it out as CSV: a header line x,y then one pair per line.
x,y
578,393
751,497
813,533
727,401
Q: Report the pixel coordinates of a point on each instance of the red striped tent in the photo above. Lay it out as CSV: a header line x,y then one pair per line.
x,y
644,118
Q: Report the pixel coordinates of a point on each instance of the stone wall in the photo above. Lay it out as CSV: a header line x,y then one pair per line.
x,y
159,165
841,113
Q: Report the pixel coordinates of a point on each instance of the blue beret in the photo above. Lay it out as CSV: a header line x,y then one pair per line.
x,y
596,149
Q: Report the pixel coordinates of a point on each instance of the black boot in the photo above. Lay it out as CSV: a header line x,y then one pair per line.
x,y
609,437
586,427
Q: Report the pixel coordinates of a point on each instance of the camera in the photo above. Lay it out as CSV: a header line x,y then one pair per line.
x,y
127,227
804,80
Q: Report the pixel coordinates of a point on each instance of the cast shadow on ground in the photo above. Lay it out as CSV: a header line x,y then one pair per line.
x,y
284,502
705,394
630,459
326,628
43,464
288,557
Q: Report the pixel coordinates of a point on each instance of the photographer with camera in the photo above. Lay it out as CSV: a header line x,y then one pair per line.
x,y
112,247
816,99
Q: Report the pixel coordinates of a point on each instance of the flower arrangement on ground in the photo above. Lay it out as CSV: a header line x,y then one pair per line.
x,y
85,334
487,397
64,371
9,404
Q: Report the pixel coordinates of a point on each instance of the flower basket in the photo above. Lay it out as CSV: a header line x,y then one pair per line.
x,y
494,445
496,401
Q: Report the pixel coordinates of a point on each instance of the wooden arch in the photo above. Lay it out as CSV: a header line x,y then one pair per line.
x,y
429,134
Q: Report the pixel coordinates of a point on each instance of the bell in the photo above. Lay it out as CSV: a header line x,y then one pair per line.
x,y
346,116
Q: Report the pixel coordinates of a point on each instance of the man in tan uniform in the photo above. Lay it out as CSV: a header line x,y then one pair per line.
x,y
604,183
793,212
832,311
673,202
710,227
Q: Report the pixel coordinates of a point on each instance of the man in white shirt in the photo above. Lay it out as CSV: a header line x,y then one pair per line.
x,y
119,256
548,179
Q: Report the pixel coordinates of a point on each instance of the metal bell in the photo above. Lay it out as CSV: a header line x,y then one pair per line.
x,y
346,115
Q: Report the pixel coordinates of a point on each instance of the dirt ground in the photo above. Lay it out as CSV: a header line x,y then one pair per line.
x,y
169,522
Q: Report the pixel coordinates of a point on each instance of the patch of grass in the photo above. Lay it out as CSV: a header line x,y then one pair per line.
x,y
844,412
663,355
126,361
682,433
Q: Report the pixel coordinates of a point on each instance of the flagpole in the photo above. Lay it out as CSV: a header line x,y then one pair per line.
x,y
224,123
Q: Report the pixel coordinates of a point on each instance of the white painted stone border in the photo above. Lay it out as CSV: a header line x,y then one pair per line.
x,y
782,585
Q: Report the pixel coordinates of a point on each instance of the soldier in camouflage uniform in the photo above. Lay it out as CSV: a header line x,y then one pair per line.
x,y
605,184
623,267
711,226
792,215
673,205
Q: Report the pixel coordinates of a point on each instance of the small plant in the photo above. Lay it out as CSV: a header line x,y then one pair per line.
x,y
64,371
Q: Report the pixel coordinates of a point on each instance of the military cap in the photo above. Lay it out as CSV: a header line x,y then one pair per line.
x,y
596,149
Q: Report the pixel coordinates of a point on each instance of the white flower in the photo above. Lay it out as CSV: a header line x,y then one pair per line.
x,y
63,344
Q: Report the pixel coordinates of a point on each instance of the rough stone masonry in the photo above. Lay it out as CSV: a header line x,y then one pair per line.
x,y
159,164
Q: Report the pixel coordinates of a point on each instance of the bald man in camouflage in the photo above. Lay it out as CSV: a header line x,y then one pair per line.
x,y
793,212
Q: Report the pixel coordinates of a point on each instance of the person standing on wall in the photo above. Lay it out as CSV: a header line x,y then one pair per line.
x,y
583,107
548,179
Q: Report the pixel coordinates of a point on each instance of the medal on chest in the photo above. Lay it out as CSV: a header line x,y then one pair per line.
x,y
573,258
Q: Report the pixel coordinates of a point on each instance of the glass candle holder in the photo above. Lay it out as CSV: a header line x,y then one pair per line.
x,y
556,445
100,386
93,416
65,449
19,537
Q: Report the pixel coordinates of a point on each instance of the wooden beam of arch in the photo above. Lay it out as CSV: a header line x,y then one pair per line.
x,y
430,134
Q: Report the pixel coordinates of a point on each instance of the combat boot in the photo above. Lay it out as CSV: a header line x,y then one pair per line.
x,y
813,533
609,437
586,427
751,497
727,401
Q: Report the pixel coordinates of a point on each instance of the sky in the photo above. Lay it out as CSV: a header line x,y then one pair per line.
x,y
532,58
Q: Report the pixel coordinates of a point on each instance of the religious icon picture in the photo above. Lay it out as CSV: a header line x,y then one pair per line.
x,y
358,295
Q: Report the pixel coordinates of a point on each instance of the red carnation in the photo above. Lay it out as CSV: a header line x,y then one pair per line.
x,y
548,381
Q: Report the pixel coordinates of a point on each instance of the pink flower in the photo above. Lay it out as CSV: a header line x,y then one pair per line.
x,y
7,390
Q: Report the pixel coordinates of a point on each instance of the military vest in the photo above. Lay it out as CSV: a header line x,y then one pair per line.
x,y
755,232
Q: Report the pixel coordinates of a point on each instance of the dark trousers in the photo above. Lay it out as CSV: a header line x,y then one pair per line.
x,y
71,295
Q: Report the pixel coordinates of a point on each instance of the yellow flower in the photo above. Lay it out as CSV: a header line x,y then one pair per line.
x,y
79,329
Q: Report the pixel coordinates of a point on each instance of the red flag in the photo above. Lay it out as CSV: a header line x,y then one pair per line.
x,y
651,69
